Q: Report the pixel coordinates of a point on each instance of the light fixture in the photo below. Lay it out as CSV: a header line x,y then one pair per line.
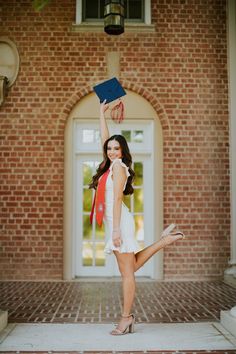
x,y
114,17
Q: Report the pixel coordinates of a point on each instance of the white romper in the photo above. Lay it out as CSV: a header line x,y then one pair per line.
x,y
127,226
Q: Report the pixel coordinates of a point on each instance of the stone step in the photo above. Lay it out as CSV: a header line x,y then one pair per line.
x,y
74,337
228,320
3,319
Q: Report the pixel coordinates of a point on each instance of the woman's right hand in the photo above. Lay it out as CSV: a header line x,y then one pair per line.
x,y
104,107
116,238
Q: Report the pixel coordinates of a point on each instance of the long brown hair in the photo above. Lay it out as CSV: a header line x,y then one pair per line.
x,y
105,164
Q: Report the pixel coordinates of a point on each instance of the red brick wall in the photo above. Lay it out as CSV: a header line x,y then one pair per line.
x,y
182,65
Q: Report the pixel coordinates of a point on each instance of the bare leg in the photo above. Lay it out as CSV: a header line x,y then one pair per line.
x,y
129,263
126,266
144,255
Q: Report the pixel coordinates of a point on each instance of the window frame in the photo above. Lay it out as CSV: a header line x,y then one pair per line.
x,y
146,21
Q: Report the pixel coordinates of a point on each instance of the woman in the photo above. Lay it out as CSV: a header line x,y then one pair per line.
x,y
119,223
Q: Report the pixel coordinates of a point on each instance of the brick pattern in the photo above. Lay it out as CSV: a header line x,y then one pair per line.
x,y
100,302
181,69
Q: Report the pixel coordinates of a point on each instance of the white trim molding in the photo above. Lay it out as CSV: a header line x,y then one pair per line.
x,y
138,109
232,127
9,60
228,318
9,65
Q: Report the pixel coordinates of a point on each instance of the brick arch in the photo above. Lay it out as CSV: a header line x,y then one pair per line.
x,y
73,100
128,85
151,99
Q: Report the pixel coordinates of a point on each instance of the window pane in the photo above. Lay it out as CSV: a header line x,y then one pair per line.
x,y
101,10
91,8
88,136
96,163
138,200
97,136
135,9
87,199
100,232
87,172
138,169
138,136
87,254
99,254
127,135
87,228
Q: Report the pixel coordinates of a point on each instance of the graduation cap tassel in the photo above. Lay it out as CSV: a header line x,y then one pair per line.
x,y
117,112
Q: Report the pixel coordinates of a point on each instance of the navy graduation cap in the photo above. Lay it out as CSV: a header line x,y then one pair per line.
x,y
109,90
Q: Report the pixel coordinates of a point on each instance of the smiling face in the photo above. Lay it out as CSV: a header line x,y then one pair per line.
x,y
114,150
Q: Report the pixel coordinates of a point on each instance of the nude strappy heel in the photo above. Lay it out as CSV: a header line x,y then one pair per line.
x,y
179,233
168,230
128,329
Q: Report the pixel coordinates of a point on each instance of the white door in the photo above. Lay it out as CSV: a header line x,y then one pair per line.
x,y
89,240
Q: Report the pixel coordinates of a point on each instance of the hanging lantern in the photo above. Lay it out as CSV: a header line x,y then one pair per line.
x,y
114,16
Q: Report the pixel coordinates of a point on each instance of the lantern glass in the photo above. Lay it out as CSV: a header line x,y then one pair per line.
x,y
114,17
114,20
114,9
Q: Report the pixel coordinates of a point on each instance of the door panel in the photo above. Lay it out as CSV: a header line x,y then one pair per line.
x,y
90,257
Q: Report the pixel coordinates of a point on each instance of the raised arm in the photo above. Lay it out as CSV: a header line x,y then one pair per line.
x,y
104,132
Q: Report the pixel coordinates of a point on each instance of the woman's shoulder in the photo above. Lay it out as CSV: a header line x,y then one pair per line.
x,y
118,162
121,163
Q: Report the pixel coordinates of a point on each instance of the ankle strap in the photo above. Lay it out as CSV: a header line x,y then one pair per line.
x,y
127,316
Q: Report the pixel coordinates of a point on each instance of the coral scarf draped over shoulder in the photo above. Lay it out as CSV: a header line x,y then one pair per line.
x,y
99,199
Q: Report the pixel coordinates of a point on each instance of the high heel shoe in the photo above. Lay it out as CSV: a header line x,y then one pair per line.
x,y
168,230
128,329
178,233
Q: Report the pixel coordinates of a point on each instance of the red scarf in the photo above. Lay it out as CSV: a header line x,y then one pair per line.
x,y
99,199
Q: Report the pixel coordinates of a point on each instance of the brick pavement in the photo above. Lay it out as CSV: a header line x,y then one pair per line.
x,y
100,301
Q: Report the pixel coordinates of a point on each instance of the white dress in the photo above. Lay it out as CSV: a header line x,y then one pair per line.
x,y
127,226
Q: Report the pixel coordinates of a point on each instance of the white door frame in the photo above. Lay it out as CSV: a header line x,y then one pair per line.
x,y
138,108
90,152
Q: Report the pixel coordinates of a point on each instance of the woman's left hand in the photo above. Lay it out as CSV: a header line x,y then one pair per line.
x,y
103,107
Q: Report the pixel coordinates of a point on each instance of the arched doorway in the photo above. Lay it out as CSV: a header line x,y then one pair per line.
x,y
83,244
